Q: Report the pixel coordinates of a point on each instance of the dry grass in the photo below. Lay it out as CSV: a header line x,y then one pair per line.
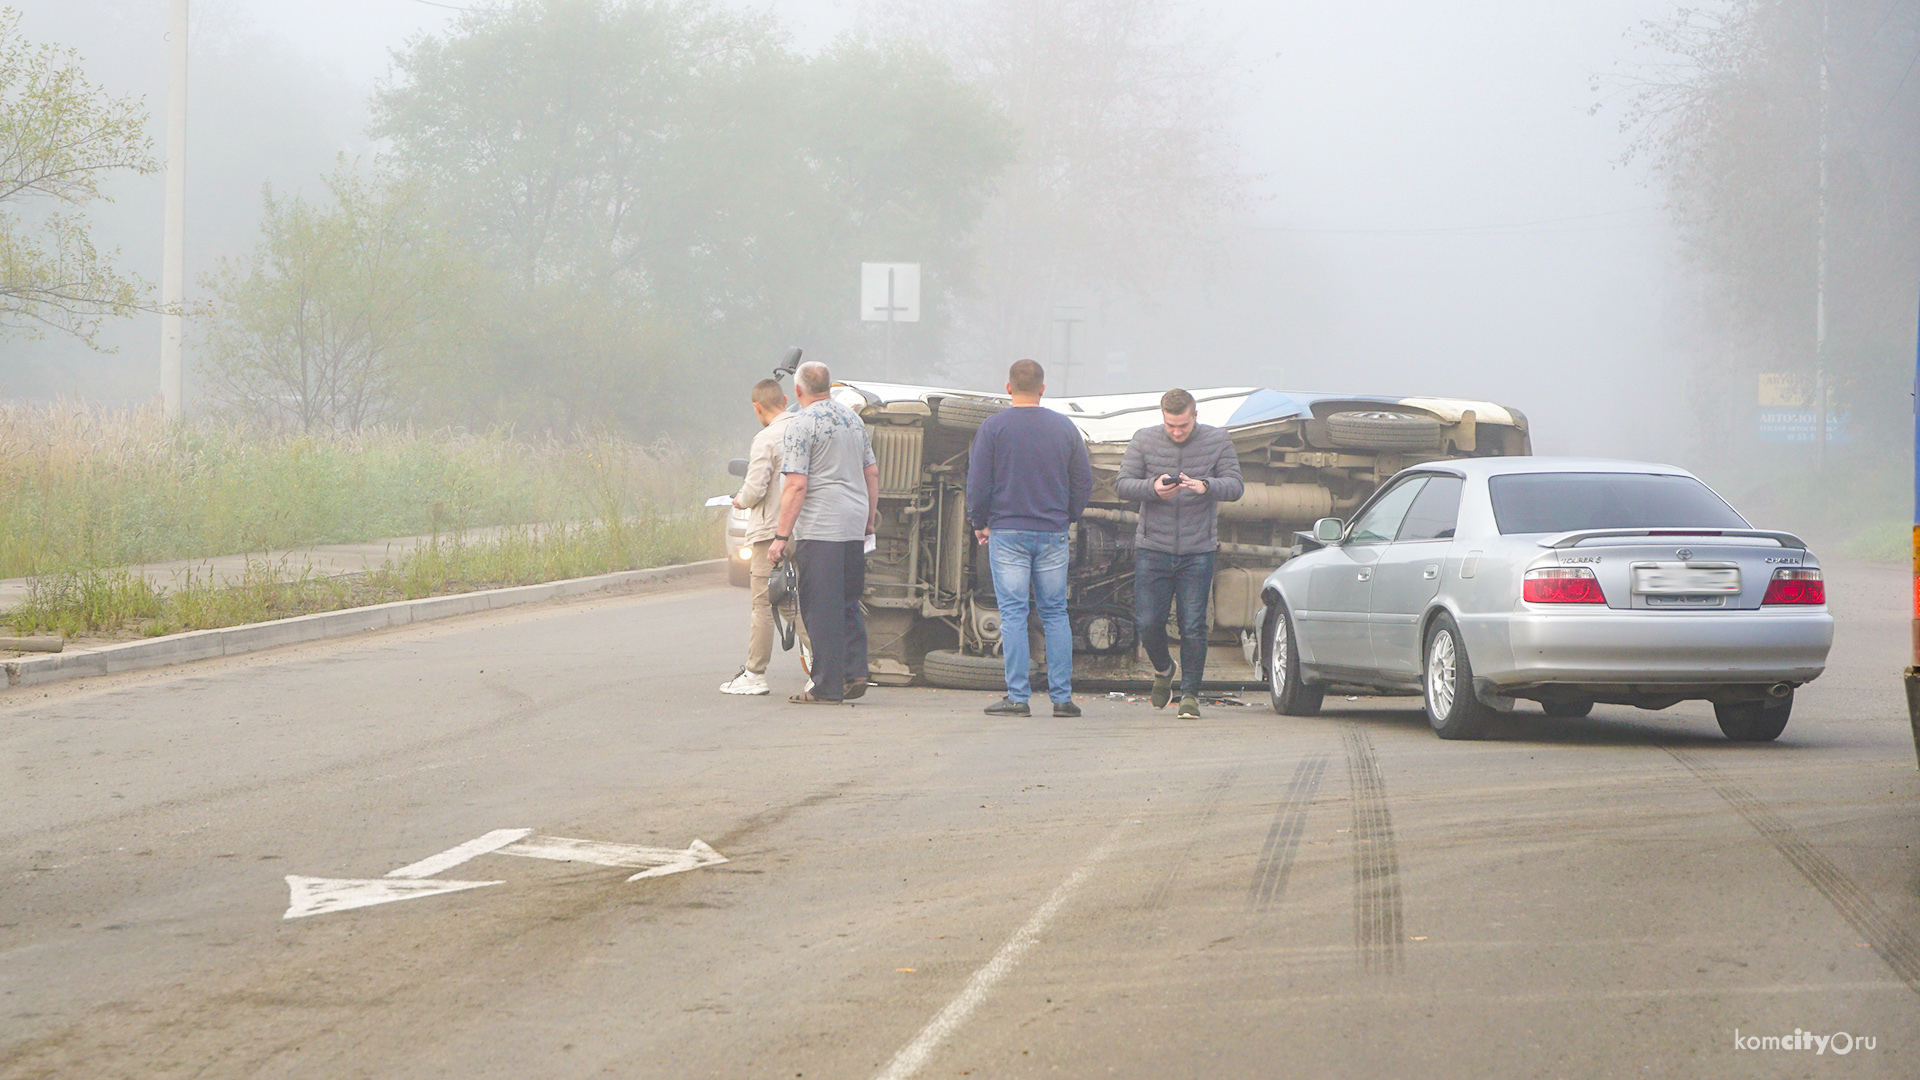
x,y
85,493
84,488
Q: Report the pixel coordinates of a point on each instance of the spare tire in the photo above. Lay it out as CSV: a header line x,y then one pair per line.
x,y
1383,430
958,671
966,412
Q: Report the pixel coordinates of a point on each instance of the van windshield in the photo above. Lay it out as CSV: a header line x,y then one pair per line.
x,y
1565,502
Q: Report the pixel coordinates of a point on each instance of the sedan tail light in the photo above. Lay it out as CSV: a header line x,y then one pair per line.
x,y
1792,585
1562,585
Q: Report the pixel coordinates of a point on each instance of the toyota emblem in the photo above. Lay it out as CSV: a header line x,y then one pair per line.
x,y
1685,553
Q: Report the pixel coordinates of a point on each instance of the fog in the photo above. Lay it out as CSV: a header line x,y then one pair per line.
x,y
1433,206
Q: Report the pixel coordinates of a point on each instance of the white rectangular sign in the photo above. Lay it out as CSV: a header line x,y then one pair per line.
x,y
902,299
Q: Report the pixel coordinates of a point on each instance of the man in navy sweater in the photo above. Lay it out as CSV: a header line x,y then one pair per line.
x,y
1028,478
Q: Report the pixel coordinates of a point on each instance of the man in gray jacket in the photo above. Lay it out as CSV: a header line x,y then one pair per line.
x,y
1179,471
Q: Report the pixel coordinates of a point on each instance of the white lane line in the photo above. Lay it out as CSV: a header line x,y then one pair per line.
x,y
911,1057
454,856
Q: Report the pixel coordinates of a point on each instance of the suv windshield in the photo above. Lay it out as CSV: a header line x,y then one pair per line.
x,y
1565,502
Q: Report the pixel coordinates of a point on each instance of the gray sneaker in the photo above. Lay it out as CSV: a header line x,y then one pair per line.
x,y
1162,689
1189,708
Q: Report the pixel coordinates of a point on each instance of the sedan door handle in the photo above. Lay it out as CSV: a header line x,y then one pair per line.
x,y
1366,575
1430,572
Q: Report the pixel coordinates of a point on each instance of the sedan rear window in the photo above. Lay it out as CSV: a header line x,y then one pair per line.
x,y
1565,502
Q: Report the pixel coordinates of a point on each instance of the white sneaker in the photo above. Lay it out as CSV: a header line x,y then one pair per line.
x,y
745,683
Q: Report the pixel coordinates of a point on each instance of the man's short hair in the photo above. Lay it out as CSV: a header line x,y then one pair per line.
x,y
769,394
1026,377
813,378
1176,402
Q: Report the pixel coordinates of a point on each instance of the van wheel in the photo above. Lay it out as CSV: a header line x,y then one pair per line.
x,y
1383,430
1448,680
1754,721
966,412
1291,696
958,671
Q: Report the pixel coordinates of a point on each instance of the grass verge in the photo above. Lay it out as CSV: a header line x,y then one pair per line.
x,y
83,487
117,603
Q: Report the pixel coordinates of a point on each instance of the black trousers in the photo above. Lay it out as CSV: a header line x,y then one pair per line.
x,y
833,575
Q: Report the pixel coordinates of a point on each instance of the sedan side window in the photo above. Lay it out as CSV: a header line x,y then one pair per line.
x,y
1381,521
1434,514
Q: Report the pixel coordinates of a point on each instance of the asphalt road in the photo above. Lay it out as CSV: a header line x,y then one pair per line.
x,y
916,889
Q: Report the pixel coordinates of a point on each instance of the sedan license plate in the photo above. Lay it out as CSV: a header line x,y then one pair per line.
x,y
1683,579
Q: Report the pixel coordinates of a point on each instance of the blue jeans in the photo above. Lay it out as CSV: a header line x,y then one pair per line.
x,y
1032,563
1159,580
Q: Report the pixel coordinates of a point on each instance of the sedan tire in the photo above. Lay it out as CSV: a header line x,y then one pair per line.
x,y
1754,721
1447,679
1290,694
1569,710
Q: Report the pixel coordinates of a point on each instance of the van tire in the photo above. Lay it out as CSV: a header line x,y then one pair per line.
x,y
966,413
957,671
1380,429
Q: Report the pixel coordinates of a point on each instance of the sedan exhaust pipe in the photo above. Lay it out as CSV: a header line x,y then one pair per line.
x,y
1779,689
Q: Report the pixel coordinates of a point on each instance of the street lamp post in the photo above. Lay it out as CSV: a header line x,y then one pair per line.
x,y
173,275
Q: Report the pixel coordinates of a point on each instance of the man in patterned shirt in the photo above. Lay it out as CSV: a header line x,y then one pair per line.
x,y
829,505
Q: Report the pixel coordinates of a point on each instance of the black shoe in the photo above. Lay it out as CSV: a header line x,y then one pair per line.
x,y
1066,708
1006,706
855,688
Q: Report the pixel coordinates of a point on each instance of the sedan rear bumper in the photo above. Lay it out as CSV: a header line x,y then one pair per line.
x,y
1529,648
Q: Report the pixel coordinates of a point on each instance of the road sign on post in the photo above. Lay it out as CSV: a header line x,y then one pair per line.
x,y
890,293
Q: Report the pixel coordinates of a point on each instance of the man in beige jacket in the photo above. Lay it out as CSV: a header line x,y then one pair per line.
x,y
760,496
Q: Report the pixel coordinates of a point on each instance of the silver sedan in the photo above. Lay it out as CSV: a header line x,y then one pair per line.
x,y
1560,580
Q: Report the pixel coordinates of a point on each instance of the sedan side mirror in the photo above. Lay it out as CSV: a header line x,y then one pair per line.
x,y
738,466
1329,530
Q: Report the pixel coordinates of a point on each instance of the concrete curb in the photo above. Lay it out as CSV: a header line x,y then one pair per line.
x,y
236,640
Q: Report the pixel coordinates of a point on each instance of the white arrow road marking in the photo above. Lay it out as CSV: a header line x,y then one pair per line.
x,y
454,856
318,896
657,861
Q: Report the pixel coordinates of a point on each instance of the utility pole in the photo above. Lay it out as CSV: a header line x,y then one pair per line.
x,y
1820,275
173,275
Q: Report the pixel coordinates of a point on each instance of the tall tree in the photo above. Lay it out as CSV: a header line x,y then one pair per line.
x,y
59,137
1756,99
1124,163
321,326
675,165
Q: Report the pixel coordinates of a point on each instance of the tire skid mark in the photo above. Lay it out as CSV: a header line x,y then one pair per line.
x,y
1283,839
1894,943
1163,889
1377,932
